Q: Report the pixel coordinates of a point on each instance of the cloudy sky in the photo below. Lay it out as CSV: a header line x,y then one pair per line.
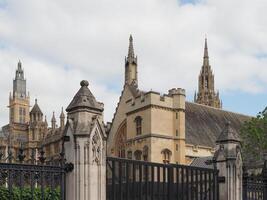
x,y
61,42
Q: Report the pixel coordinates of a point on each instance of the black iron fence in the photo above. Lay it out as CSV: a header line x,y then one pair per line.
x,y
255,185
20,180
139,180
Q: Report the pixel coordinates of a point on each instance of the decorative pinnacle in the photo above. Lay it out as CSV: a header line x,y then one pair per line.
x,y
19,65
35,101
131,49
62,113
53,117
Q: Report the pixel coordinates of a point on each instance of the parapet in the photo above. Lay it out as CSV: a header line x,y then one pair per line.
x,y
176,91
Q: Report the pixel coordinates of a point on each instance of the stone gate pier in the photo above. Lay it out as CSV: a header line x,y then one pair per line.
x,y
85,147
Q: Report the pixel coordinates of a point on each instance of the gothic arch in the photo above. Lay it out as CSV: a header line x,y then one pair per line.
x,y
120,140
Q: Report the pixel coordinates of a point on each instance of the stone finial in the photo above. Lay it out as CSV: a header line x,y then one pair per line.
x,y
84,83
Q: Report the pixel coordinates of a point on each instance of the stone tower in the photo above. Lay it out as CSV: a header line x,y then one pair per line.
x,y
19,101
131,65
206,94
37,130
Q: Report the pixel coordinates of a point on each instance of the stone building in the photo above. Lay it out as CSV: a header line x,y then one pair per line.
x,y
167,128
146,125
29,128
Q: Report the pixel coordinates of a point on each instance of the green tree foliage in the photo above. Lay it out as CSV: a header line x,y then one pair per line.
x,y
254,136
26,194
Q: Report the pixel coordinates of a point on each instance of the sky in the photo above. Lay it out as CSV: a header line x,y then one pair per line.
x,y
61,42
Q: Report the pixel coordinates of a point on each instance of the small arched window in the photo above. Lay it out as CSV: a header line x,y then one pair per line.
x,y
138,123
145,153
166,154
138,155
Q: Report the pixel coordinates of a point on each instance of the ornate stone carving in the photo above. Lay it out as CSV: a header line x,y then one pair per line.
x,y
96,149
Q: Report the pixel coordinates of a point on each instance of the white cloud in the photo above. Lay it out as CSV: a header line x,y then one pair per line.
x,y
62,42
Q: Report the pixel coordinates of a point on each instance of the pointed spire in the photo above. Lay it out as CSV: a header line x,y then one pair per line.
x,y
19,72
62,115
62,118
46,121
131,49
131,58
19,65
53,118
206,53
53,121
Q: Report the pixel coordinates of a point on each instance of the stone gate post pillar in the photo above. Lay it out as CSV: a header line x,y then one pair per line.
x,y
229,163
85,147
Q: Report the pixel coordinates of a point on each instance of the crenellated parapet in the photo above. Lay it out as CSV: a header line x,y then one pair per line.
x,y
175,99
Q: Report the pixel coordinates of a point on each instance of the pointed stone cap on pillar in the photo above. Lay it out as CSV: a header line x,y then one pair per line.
x,y
84,99
228,135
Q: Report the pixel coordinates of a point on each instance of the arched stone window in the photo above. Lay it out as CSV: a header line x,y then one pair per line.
x,y
120,141
138,123
138,155
166,154
145,153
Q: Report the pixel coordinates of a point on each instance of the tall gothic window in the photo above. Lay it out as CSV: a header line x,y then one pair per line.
x,y
120,142
138,123
166,154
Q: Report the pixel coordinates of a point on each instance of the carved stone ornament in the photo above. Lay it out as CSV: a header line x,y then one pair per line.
x,y
96,149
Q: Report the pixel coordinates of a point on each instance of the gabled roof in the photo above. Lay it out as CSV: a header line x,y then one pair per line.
x,y
84,99
204,124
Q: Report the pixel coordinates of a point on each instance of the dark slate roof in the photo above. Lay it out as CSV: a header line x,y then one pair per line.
x,y
202,162
84,99
36,108
204,124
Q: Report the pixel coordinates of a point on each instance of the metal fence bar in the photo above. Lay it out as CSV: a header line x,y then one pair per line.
x,y
139,180
36,180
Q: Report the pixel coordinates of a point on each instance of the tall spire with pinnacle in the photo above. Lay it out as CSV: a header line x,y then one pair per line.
x,y
53,121
131,65
206,56
62,118
206,93
131,49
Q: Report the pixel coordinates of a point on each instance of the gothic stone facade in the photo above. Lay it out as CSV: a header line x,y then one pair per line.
x,y
146,125
166,128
